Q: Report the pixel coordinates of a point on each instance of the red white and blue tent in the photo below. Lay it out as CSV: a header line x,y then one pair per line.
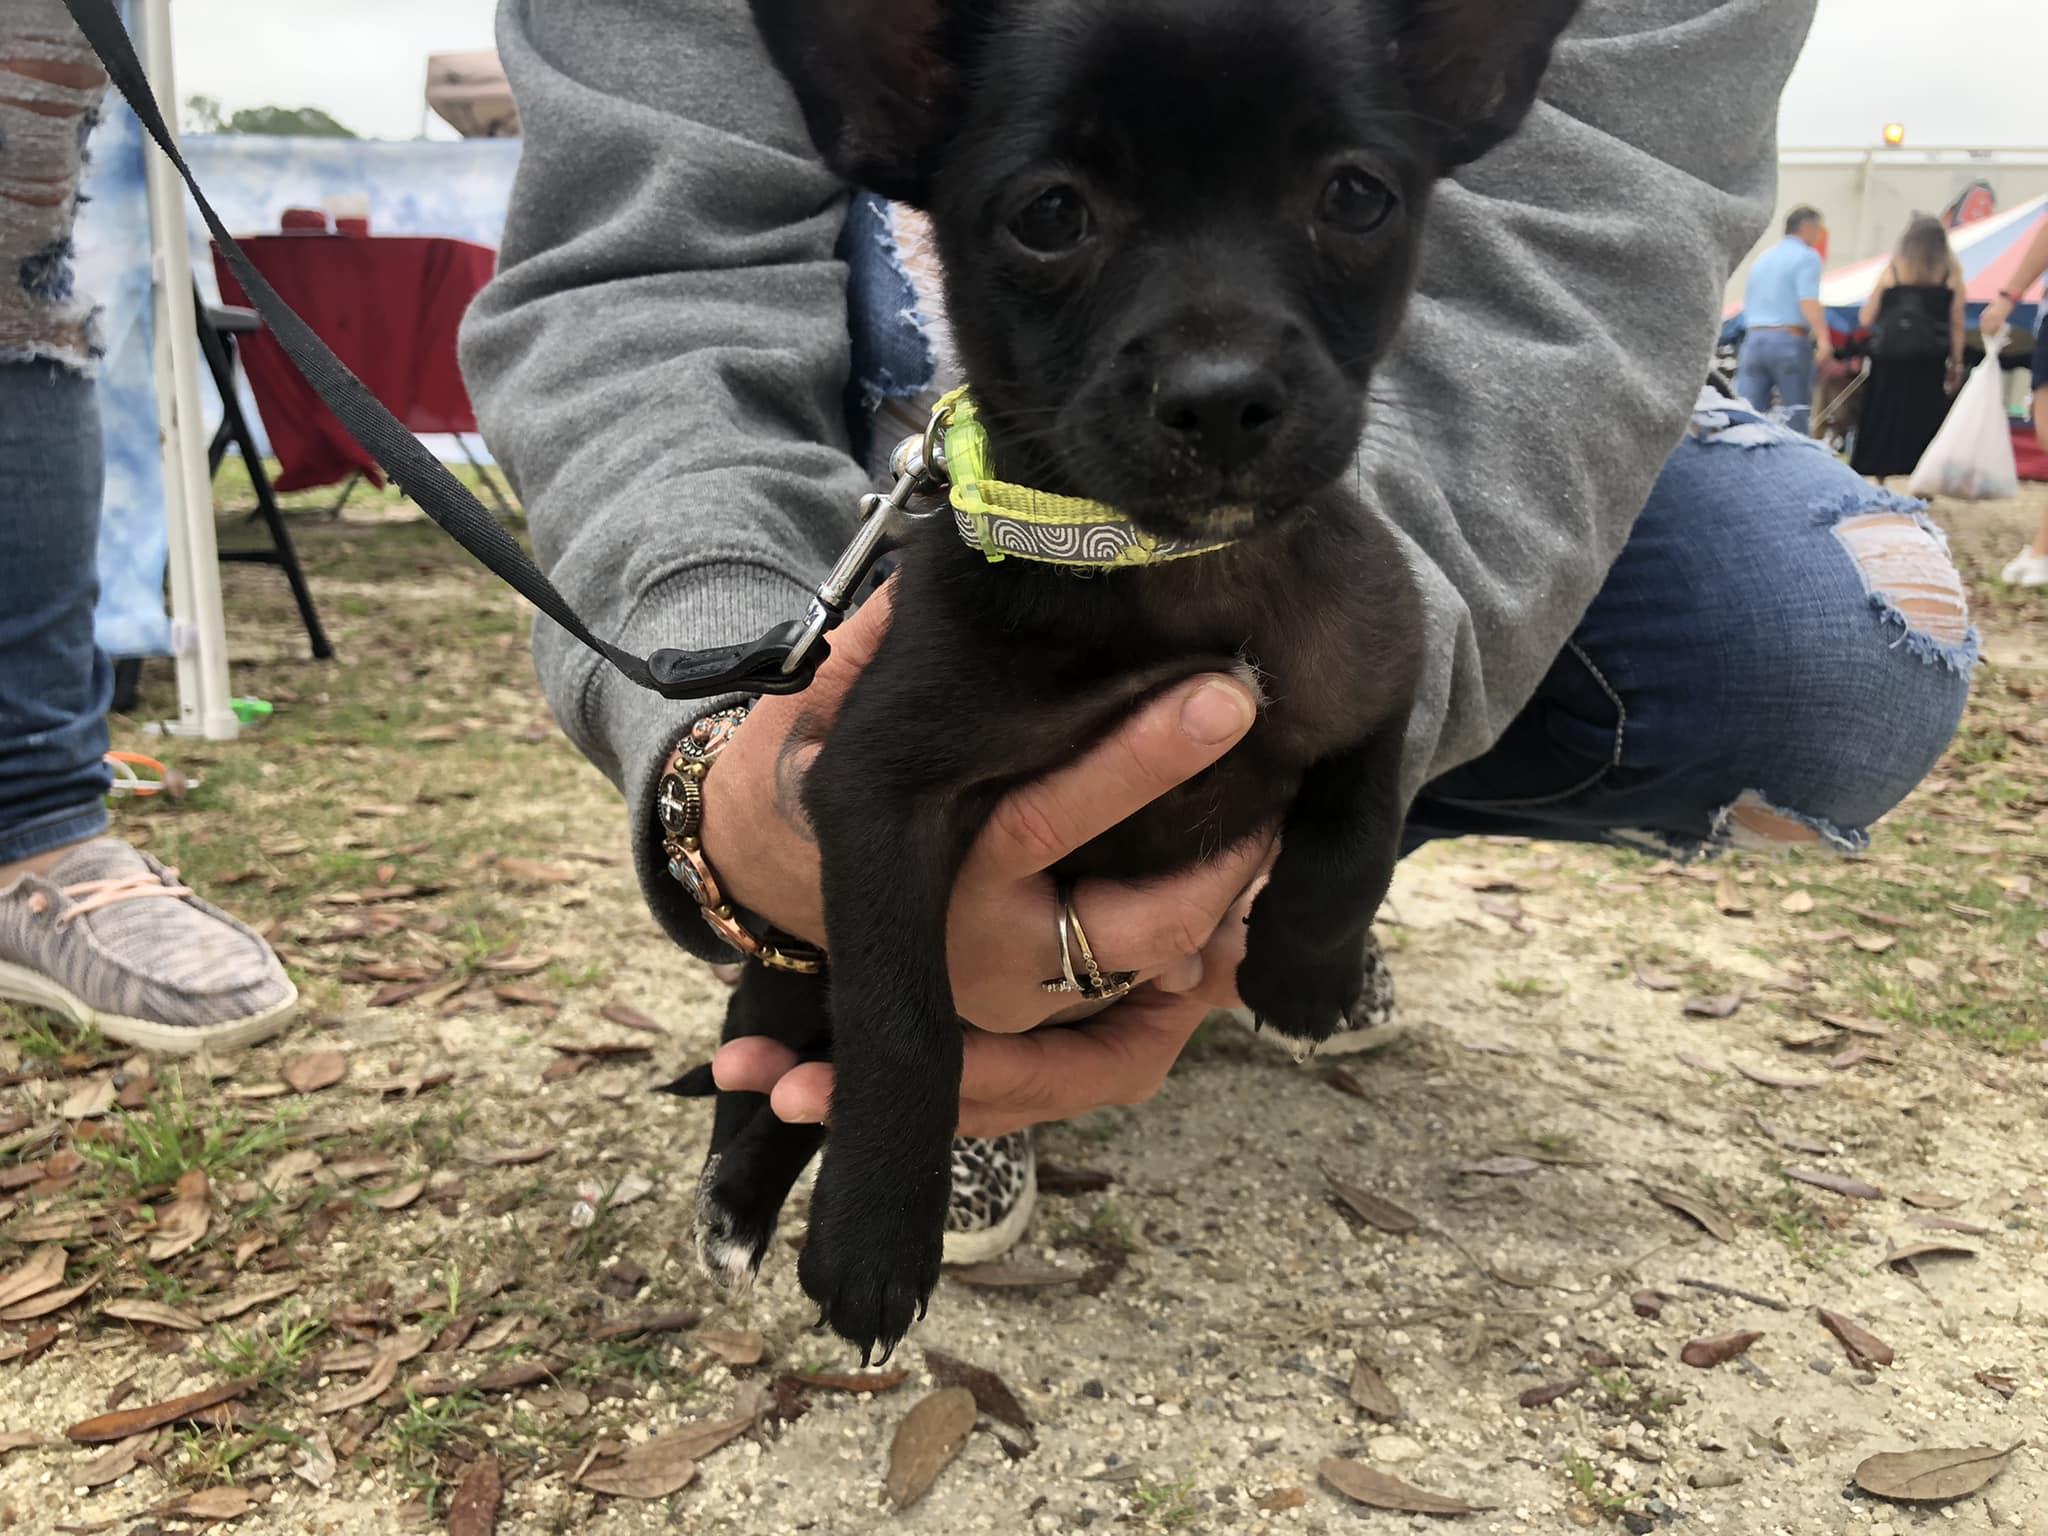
x,y
1989,249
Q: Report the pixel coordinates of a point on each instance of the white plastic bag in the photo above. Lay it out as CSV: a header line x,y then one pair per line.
x,y
1971,458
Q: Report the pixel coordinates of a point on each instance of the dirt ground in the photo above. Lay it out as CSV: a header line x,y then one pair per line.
x,y
469,1253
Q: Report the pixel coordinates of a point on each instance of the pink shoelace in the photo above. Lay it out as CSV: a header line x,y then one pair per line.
x,y
92,895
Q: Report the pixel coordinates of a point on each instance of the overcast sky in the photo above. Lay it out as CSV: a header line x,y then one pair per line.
x,y
1960,73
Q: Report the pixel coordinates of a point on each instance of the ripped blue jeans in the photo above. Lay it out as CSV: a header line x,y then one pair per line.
x,y
1780,654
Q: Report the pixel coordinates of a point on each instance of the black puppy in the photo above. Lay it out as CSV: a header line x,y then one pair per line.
x,y
1177,234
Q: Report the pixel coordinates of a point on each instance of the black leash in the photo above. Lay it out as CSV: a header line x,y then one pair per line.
x,y
756,669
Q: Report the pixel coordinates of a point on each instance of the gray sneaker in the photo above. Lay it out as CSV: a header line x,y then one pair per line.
x,y
110,938
995,1190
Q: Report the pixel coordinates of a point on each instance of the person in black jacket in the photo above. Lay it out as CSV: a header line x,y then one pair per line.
x,y
1916,351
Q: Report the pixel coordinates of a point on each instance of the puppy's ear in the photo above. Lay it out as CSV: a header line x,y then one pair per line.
x,y
880,81
1473,66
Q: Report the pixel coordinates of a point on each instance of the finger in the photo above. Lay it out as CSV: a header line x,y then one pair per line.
x,y
1168,741
1224,953
804,1096
1054,1074
1150,925
753,1064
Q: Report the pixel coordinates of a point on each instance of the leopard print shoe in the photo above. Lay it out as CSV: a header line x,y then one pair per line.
x,y
995,1190
1377,1023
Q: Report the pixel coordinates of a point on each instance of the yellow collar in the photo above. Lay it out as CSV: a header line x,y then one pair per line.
x,y
1006,521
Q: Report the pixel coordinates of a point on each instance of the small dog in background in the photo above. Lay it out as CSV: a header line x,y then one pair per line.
x,y
1177,235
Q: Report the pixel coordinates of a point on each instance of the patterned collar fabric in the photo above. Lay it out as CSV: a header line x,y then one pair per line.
x,y
1007,521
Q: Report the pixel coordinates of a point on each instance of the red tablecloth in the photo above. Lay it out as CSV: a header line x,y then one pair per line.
x,y
389,306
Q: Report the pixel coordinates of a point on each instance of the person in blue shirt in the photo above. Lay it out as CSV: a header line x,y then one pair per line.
x,y
1786,330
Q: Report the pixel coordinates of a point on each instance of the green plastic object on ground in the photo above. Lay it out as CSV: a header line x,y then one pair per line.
x,y
249,711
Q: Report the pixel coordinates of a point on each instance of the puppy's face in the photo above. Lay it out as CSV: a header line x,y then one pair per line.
x,y
1177,233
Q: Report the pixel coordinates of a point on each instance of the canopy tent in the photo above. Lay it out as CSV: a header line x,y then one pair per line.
x,y
1990,251
468,92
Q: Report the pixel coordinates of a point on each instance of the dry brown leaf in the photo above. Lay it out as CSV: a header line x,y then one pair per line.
x,y
46,1302
1650,1303
234,1306
350,1169
135,1421
1931,1200
531,872
992,1395
473,1507
1656,981
1772,1079
521,994
1015,1277
1716,1224
1707,1353
2004,1384
89,1099
1059,1179
114,1463
855,1382
398,1197
518,1157
1865,1348
1368,1486
1835,1183
1281,1500
1874,943
1950,1224
629,1018
1723,1006
21,1440
696,1441
601,1050
43,1269
653,1470
1370,1392
1916,1476
211,1504
317,1465
1541,1397
301,1163
1372,1210
1729,900
155,1313
1930,1250
929,1437
1504,1166
1792,1141
1799,903
636,1323
383,1371
315,1070
734,1348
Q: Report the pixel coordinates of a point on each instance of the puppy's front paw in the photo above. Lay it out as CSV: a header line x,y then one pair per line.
x,y
1306,997
871,1258
731,1241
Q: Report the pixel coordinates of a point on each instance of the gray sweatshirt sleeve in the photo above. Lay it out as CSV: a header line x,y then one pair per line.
x,y
661,361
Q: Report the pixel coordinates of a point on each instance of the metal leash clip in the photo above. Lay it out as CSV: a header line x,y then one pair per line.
x,y
919,464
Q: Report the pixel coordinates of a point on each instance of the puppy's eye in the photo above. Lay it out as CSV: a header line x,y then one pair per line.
x,y
1354,202
1053,223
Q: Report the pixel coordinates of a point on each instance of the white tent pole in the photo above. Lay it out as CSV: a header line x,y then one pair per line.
x,y
198,628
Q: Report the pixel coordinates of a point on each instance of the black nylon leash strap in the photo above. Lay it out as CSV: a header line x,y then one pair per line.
x,y
755,668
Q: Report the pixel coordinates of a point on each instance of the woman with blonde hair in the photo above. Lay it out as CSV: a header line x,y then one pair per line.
x,y
1915,314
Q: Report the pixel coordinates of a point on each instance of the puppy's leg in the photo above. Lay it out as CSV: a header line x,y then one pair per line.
x,y
879,1211
755,1158
1304,964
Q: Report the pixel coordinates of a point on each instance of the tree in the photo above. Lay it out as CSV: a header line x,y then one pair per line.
x,y
203,115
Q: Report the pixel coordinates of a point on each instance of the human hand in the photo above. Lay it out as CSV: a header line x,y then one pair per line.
x,y
1994,318
1953,379
1002,931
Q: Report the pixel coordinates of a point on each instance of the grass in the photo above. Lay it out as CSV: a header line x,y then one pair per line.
x,y
423,1436
46,1040
1526,986
154,1147
1586,1479
206,1458
1169,1505
269,1357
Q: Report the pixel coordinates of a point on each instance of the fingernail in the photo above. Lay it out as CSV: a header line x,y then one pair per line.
x,y
1182,976
1216,712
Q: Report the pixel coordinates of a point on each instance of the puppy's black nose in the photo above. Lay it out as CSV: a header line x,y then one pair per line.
x,y
1224,407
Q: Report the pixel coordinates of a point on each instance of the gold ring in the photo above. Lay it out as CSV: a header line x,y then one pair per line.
x,y
1100,986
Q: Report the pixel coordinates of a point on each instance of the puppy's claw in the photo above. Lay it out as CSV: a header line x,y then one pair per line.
x,y
865,1351
924,1305
819,1325
693,1084
888,1349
